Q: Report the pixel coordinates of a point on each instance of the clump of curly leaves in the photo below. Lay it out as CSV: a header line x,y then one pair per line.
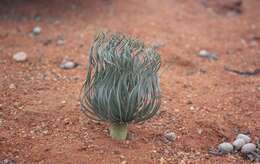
x,y
121,85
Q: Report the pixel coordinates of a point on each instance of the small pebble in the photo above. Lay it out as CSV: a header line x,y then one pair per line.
x,y
12,86
199,131
11,162
124,162
246,138
238,143
122,156
162,160
225,147
248,148
60,42
45,132
208,55
171,136
36,30
66,64
20,56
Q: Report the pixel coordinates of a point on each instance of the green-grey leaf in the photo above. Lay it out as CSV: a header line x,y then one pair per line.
x,y
121,83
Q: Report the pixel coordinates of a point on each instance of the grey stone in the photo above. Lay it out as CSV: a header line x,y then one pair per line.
x,y
67,64
238,143
248,148
250,157
225,147
36,30
20,56
11,162
208,55
246,138
60,42
171,136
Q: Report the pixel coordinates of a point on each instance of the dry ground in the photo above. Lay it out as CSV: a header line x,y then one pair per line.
x,y
204,104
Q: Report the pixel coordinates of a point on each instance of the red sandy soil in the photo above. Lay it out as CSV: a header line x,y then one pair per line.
x,y
204,104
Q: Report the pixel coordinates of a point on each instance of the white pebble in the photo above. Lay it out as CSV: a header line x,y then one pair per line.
x,y
238,143
12,86
20,56
208,55
60,42
225,147
36,30
248,148
203,53
246,138
67,64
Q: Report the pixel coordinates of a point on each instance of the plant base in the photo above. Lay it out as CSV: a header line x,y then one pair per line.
x,y
118,131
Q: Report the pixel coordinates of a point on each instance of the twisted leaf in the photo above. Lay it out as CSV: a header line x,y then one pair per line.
x,y
121,85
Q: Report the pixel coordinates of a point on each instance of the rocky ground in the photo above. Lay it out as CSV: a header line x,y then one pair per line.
x,y
209,78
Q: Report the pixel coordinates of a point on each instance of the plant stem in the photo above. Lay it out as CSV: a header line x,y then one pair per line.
x,y
118,131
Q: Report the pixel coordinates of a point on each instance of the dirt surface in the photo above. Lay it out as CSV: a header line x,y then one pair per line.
x,y
202,102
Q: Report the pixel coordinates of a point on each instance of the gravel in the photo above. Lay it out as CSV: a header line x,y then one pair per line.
x,y
238,143
246,138
225,147
20,56
12,86
208,55
67,64
36,30
60,42
171,136
248,148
